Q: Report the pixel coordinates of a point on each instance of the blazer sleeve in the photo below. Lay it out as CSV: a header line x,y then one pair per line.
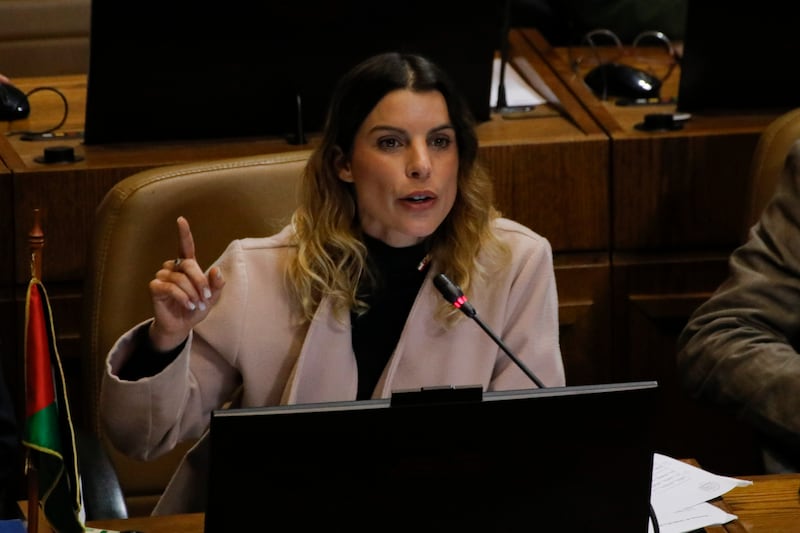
x,y
175,404
529,325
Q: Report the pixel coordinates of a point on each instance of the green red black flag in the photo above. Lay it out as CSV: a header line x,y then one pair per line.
x,y
49,435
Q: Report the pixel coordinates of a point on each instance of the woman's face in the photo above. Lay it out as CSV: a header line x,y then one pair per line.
x,y
404,167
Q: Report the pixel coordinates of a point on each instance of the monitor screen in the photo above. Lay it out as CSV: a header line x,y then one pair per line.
x,y
556,459
738,57
191,70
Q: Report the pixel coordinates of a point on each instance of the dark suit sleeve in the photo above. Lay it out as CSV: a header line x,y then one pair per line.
x,y
740,348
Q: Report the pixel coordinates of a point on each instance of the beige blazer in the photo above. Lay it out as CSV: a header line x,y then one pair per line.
x,y
252,338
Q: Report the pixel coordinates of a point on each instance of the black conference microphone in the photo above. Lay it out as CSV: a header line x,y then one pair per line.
x,y
453,294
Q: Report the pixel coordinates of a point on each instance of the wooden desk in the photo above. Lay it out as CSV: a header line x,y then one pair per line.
x,y
182,523
770,505
675,190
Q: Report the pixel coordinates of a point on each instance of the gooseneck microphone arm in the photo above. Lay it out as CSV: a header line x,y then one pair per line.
x,y
453,294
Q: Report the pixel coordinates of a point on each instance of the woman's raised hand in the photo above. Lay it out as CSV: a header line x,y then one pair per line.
x,y
182,293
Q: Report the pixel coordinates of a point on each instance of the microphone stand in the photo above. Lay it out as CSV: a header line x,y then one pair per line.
x,y
505,28
299,136
513,357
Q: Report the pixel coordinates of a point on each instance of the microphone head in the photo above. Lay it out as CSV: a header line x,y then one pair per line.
x,y
453,294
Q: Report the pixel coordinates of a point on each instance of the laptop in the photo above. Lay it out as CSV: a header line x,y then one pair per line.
x,y
190,70
558,459
738,57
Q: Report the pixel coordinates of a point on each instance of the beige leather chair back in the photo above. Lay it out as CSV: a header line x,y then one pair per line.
x,y
768,161
135,233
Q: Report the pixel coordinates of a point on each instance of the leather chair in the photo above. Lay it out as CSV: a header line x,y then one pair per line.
x,y
135,232
768,161
103,498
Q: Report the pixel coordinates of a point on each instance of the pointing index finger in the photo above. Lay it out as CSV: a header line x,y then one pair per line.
x,y
185,239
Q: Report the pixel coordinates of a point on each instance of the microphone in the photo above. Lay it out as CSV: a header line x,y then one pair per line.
x,y
453,294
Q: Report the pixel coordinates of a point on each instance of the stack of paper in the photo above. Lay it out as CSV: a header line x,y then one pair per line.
x,y
680,493
518,92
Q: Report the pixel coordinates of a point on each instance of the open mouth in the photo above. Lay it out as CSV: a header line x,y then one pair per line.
x,y
418,198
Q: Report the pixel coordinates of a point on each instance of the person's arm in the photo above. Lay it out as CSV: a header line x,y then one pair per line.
x,y
175,403
740,348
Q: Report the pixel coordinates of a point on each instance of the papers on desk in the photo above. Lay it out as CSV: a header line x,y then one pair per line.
x,y
680,492
518,92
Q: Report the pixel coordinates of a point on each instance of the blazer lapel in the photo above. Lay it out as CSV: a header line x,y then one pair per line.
x,y
326,369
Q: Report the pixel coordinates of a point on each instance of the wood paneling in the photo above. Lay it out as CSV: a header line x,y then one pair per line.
x,y
680,192
653,298
584,318
560,190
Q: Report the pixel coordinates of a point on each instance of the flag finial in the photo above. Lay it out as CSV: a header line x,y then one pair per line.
x,y
36,243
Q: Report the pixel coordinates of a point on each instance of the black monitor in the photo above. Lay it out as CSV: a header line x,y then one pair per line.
x,y
557,459
738,57
192,70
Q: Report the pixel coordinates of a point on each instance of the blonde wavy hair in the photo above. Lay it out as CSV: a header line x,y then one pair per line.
x,y
331,255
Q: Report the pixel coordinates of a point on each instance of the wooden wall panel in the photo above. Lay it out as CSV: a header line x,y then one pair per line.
x,y
680,192
559,190
584,298
653,298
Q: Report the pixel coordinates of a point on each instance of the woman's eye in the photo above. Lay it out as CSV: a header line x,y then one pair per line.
x,y
389,142
441,142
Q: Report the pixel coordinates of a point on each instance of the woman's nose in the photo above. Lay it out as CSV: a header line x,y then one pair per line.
x,y
419,163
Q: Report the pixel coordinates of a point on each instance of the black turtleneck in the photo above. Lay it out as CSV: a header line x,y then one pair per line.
x,y
375,333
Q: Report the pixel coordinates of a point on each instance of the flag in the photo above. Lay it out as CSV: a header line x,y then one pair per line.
x,y
49,435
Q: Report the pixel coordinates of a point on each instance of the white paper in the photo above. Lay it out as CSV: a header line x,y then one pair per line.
x,y
536,81
693,518
680,492
518,92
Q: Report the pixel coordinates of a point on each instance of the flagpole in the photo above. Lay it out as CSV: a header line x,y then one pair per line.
x,y
35,243
33,495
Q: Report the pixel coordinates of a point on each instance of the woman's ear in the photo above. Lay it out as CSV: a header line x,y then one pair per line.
x,y
342,166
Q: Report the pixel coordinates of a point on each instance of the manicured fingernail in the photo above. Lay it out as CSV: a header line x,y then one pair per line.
x,y
206,293
202,306
190,305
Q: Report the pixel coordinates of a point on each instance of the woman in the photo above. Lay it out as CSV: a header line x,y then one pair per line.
x,y
340,304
